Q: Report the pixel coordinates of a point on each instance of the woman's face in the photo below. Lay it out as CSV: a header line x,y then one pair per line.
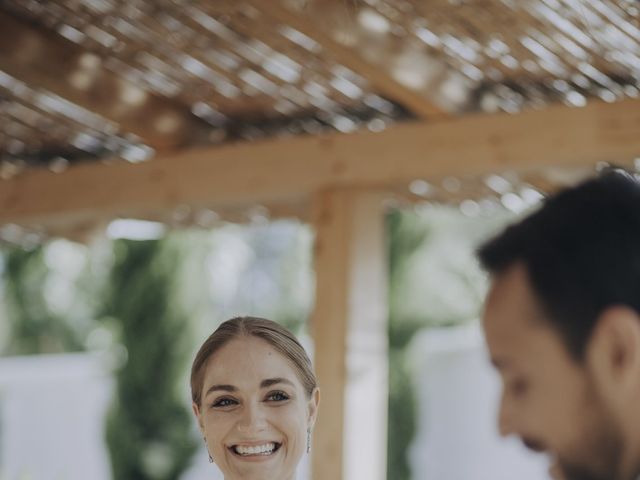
x,y
254,412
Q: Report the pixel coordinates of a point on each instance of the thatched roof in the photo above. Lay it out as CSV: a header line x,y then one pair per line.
x,y
83,79
115,80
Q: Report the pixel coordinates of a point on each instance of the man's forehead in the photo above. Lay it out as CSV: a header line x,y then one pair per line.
x,y
516,330
514,278
511,298
511,316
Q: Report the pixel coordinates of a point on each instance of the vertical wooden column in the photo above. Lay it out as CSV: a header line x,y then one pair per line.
x,y
350,334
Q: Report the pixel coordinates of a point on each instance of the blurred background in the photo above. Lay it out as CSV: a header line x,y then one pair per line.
x,y
329,164
97,341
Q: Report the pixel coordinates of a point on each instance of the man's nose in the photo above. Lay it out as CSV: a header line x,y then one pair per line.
x,y
252,420
505,416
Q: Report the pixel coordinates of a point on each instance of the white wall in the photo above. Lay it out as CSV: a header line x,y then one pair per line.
x,y
458,397
52,410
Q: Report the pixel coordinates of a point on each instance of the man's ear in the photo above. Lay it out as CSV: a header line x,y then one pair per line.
x,y
312,407
196,412
613,352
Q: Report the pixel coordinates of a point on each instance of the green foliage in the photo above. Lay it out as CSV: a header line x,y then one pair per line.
x,y
402,417
406,236
148,429
33,326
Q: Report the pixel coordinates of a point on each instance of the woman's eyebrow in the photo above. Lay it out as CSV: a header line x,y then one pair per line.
x,y
274,381
224,388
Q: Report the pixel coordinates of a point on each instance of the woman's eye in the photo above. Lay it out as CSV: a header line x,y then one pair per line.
x,y
277,397
224,402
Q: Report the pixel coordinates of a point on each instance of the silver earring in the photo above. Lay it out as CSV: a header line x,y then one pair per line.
x,y
308,440
207,447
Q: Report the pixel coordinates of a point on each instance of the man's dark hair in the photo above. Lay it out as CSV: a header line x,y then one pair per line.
x,y
581,251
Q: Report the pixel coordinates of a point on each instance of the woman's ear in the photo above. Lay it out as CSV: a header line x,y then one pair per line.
x,y
196,412
313,404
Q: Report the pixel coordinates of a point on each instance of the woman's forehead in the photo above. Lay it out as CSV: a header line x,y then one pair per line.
x,y
249,361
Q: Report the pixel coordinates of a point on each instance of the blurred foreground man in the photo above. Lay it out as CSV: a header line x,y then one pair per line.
x,y
562,323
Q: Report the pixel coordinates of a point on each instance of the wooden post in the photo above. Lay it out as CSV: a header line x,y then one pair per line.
x,y
350,333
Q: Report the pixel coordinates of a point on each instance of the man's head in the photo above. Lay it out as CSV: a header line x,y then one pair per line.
x,y
562,323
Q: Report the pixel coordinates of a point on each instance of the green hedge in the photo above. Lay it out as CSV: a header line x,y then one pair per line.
x,y
149,427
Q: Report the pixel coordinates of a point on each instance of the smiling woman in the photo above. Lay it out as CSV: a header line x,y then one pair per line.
x,y
256,398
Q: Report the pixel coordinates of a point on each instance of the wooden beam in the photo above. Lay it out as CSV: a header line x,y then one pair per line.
x,y
349,326
374,74
290,170
44,59
329,330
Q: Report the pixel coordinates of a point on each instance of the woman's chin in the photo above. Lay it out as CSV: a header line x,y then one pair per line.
x,y
259,467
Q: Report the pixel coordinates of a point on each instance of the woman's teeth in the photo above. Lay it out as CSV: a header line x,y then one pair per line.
x,y
266,449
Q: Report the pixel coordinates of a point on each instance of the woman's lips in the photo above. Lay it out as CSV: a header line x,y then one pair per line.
x,y
255,450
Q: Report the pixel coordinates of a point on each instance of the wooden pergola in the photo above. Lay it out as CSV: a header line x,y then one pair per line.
x,y
324,110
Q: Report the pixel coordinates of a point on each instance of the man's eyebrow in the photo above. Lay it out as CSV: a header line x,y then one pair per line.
x,y
224,388
500,363
274,381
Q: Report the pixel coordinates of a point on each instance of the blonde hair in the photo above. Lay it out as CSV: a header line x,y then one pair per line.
x,y
274,334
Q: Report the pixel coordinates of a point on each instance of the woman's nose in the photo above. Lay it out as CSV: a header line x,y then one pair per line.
x,y
252,420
